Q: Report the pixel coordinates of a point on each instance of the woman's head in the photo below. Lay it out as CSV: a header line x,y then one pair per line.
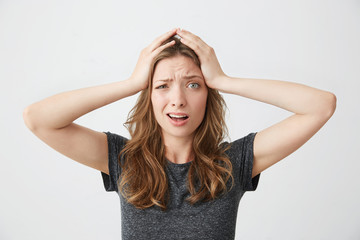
x,y
172,91
178,97
171,102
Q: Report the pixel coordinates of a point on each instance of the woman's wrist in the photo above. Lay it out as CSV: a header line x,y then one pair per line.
x,y
222,83
134,86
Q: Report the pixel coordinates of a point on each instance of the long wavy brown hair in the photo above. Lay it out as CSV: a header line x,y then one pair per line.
x,y
144,181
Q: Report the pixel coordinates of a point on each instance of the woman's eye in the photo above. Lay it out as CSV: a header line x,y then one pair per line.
x,y
194,85
161,87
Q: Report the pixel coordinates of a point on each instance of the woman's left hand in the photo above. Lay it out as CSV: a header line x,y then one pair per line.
x,y
210,66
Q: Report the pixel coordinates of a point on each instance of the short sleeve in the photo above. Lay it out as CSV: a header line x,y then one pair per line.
x,y
115,144
242,156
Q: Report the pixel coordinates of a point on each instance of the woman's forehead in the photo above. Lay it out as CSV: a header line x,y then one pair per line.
x,y
176,67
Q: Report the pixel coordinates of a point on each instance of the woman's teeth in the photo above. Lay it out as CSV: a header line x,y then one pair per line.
x,y
177,116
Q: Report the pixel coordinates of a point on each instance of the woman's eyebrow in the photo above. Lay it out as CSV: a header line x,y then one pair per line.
x,y
185,77
164,80
192,76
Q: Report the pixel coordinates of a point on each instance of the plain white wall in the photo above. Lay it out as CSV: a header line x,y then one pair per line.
x,y
47,47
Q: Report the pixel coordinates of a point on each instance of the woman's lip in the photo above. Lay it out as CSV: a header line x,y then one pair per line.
x,y
177,123
178,114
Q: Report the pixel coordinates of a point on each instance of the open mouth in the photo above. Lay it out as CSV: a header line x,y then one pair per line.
x,y
176,117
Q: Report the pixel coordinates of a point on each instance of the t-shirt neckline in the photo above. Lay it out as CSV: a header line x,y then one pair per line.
x,y
187,164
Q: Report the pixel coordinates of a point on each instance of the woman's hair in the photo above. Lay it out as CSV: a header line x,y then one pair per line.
x,y
143,178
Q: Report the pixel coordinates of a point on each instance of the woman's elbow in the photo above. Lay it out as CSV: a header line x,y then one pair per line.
x,y
329,105
28,118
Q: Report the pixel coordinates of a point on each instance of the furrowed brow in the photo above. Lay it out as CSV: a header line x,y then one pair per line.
x,y
192,76
164,80
185,77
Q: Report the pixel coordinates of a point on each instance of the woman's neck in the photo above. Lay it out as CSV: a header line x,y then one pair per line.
x,y
178,150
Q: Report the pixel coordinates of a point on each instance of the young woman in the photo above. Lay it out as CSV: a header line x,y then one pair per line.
x,y
175,176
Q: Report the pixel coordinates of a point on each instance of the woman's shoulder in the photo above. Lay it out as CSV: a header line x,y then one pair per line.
x,y
240,145
115,141
115,136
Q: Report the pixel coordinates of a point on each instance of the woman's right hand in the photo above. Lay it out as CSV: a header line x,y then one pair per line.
x,y
141,73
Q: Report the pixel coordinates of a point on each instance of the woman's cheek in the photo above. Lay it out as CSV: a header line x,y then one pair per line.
x,y
201,100
158,100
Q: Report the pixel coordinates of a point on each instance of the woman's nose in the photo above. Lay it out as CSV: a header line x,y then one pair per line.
x,y
178,98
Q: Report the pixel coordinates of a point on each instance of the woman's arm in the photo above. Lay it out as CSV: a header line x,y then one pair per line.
x,y
60,110
312,107
52,118
52,121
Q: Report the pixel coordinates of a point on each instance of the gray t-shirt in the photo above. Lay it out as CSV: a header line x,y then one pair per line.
x,y
210,220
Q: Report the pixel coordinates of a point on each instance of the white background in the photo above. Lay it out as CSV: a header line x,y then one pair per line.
x,y
47,47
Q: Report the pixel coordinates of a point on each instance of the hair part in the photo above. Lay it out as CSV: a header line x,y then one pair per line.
x,y
143,178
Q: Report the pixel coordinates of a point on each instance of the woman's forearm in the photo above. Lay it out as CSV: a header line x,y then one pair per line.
x,y
62,109
294,97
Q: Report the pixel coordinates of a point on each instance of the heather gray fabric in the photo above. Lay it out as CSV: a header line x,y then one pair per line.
x,y
212,220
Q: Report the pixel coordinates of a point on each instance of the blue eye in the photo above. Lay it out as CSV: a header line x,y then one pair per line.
x,y
194,85
161,87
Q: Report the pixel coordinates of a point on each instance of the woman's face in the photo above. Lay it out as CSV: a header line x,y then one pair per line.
x,y
179,95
